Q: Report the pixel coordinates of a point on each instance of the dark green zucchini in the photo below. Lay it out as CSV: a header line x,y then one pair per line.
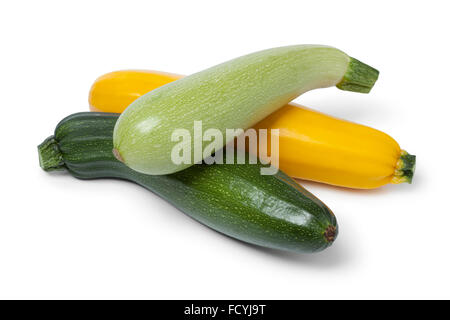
x,y
270,211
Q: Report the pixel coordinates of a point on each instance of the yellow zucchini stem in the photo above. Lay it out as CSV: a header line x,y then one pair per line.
x,y
404,170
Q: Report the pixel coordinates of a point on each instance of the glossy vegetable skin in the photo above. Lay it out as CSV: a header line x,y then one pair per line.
x,y
234,94
269,211
114,91
313,146
318,147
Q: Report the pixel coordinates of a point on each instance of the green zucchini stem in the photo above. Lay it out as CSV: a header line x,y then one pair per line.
x,y
359,77
50,157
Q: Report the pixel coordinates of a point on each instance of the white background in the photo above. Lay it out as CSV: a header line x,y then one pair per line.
x,y
65,238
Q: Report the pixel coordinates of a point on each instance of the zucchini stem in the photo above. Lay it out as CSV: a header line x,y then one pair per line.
x,y
359,77
405,168
50,157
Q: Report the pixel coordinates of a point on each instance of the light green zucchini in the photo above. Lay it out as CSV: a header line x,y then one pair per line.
x,y
235,94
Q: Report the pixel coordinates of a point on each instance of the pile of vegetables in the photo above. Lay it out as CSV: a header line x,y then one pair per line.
x,y
128,136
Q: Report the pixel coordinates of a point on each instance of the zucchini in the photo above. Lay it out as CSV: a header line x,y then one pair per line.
x,y
233,95
312,145
271,211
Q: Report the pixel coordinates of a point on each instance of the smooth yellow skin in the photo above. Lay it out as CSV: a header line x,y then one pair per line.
x,y
114,91
313,146
318,147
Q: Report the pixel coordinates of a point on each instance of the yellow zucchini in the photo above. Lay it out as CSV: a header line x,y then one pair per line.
x,y
313,146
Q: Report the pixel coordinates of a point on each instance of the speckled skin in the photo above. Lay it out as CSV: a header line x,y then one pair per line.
x,y
234,94
270,211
